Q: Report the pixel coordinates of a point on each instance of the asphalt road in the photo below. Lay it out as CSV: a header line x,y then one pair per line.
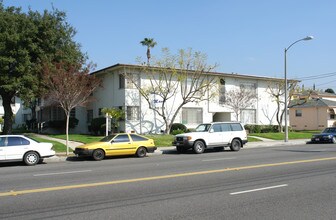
x,y
287,182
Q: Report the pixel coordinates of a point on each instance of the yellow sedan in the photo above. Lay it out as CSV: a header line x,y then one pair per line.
x,y
117,145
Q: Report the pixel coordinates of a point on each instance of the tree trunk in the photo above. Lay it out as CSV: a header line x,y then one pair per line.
x,y
148,56
67,132
8,117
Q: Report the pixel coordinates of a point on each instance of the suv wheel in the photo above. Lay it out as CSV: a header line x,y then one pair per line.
x,y
199,147
235,145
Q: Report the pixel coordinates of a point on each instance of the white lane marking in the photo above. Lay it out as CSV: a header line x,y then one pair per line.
x,y
227,158
254,190
60,173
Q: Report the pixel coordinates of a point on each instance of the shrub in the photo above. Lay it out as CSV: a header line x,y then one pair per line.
x,y
178,126
261,128
178,131
60,124
98,125
269,128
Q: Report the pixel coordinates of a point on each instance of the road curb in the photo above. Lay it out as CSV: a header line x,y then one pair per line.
x,y
162,150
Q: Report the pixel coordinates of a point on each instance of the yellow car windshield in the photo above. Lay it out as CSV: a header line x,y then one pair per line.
x,y
108,138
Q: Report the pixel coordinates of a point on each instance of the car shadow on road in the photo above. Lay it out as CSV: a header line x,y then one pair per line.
x,y
310,142
19,163
304,151
80,159
175,152
12,164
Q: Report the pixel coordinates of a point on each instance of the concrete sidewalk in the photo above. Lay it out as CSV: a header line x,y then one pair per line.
x,y
161,150
72,144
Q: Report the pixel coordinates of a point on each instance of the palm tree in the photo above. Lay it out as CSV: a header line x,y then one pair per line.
x,y
149,43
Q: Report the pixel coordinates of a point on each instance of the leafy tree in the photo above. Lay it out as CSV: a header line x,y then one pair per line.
x,y
25,40
184,77
329,91
149,43
68,86
115,114
239,99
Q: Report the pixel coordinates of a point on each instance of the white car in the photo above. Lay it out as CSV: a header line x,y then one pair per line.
x,y
22,148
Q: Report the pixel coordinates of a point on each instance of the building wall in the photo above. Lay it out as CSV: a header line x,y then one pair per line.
x,y
312,118
111,96
20,112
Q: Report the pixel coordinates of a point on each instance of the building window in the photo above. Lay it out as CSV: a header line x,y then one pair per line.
x,y
250,87
132,113
73,113
132,81
26,117
248,116
192,115
332,116
221,91
298,113
89,116
121,81
57,113
100,113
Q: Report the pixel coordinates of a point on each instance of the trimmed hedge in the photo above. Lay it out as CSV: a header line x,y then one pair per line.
x,y
178,128
261,128
60,124
98,125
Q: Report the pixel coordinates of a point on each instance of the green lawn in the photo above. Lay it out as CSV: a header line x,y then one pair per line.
x,y
57,146
252,139
291,135
78,137
164,140
160,140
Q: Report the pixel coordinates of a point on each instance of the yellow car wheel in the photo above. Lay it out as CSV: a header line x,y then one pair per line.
x,y
141,152
98,154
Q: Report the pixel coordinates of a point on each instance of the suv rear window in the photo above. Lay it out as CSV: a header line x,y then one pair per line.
x,y
226,127
236,127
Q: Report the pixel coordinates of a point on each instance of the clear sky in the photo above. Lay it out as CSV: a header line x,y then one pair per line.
x,y
241,36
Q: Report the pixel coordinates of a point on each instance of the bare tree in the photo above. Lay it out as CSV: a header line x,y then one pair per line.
x,y
176,80
69,86
276,90
240,98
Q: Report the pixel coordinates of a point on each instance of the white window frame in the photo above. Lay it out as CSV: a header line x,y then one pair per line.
x,y
248,116
192,115
298,113
133,113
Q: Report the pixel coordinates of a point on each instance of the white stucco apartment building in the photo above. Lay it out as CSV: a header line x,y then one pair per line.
x,y
20,112
118,92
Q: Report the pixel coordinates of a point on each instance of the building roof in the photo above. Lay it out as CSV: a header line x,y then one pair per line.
x,y
236,75
315,94
309,103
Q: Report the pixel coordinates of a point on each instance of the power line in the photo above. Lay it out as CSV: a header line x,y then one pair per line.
x,y
326,83
319,76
